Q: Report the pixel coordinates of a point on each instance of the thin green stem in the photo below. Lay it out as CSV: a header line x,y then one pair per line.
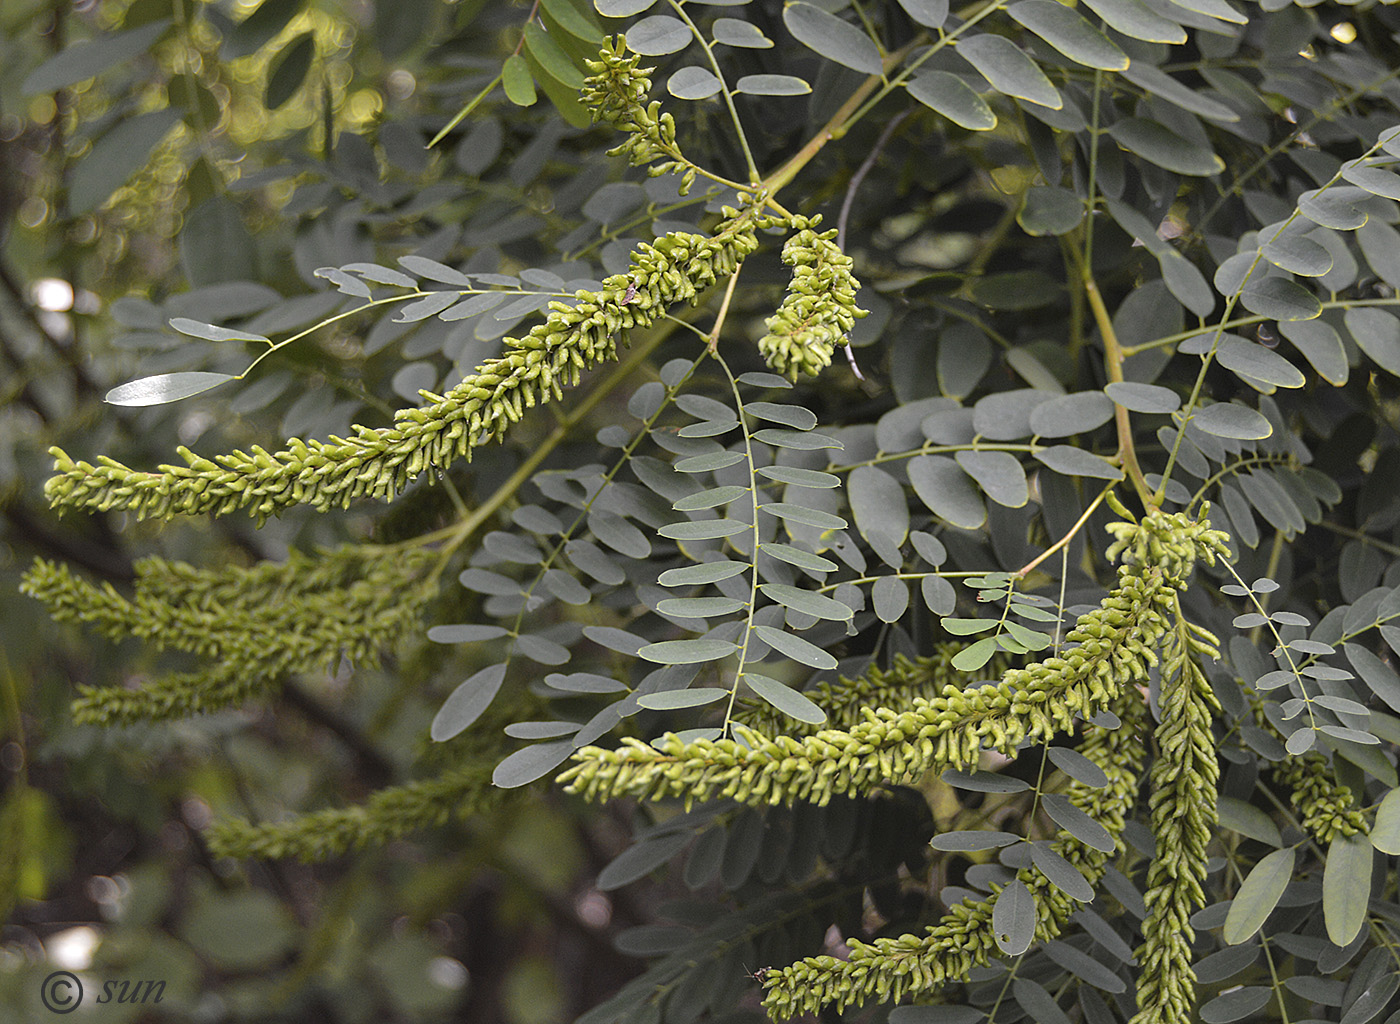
x,y
748,628
723,88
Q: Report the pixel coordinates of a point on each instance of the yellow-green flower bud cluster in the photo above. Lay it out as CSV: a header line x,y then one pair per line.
x,y
1112,650
892,968
380,463
284,624
387,815
1173,542
615,92
1327,809
845,701
819,309
1184,791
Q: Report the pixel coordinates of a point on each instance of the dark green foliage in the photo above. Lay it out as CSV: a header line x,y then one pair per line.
x,y
966,517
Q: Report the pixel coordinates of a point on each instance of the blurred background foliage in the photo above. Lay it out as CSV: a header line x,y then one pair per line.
x,y
190,158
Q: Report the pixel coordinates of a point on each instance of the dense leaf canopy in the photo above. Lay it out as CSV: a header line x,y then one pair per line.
x,y
661,510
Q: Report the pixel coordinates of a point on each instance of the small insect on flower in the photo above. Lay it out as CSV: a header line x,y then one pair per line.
x,y
758,975
631,292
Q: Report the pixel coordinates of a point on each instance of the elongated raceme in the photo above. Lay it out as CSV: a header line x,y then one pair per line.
x,y
819,309
389,814
1184,781
1326,808
615,93
892,968
285,623
381,463
1112,648
897,687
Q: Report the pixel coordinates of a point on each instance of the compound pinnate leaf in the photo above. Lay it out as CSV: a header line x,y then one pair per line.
x,y
998,474
1069,32
796,475
936,1014
658,34
1072,461
622,8
878,503
947,491
211,332
1161,146
1037,1002
1236,1004
1009,70
929,13
794,416
1256,362
687,652
740,33
535,762
1258,896
467,702
642,859
1144,397
428,306
1138,21
797,440
1078,824
707,572
772,85
1226,419
165,387
1013,918
971,840
289,70
1280,298
81,61
711,498
1346,887
950,96
1248,820
1298,254
1050,210
671,700
787,700
813,517
704,529
1334,207
795,647
465,634
1375,180
1377,333
1078,767
434,271
816,605
1083,966
1062,874
1071,414
693,83
1321,346
1385,834
798,557
834,39
518,82
890,596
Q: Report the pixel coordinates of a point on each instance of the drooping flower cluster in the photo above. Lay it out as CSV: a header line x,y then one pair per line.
x,y
819,310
